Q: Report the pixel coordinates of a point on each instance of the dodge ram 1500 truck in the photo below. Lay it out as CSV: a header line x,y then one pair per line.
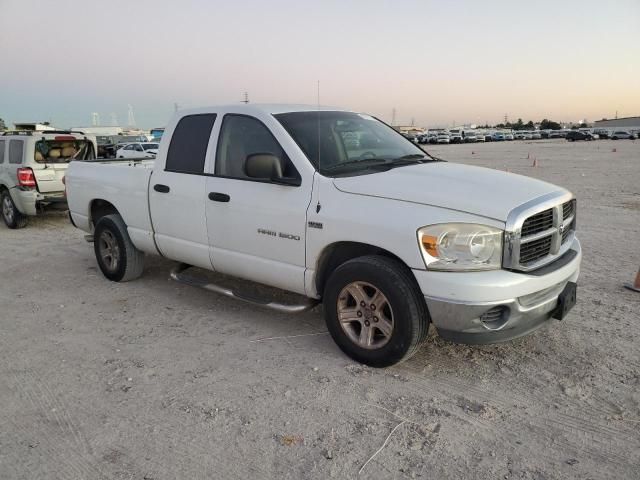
x,y
340,208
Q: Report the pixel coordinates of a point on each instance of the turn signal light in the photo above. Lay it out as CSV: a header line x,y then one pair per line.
x,y
26,178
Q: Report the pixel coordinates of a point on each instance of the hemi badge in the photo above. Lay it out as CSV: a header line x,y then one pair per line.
x,y
315,225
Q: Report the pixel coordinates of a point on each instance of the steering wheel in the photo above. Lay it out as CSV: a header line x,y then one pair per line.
x,y
366,155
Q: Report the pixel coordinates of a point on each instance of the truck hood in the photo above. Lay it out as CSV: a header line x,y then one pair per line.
x,y
476,190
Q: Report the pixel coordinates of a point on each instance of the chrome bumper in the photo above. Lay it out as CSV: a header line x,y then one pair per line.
x,y
478,322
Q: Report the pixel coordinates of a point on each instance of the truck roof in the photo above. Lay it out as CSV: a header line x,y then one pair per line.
x,y
263,108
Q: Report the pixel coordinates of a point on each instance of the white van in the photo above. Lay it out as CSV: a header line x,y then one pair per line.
x,y
32,168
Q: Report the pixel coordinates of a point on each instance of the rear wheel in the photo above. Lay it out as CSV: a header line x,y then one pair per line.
x,y
375,311
118,258
10,213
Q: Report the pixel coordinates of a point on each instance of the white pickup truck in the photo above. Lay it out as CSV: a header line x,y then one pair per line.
x,y
340,208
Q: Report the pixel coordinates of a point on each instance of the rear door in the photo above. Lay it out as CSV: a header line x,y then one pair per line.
x,y
256,227
177,192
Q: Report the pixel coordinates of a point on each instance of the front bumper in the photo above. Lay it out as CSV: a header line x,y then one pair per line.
x,y
494,306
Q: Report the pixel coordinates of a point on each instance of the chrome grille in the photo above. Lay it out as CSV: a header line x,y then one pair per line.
x,y
539,232
537,223
535,250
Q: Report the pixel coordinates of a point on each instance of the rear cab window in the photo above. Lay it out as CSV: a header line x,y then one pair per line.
x,y
189,142
62,150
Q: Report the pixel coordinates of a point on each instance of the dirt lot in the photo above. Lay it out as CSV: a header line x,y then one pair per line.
x,y
155,380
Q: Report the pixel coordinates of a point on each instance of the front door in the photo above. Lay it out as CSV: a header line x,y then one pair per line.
x,y
256,227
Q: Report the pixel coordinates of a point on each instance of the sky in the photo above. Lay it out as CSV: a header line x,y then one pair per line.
x,y
434,63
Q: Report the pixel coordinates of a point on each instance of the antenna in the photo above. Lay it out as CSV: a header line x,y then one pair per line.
x,y
318,118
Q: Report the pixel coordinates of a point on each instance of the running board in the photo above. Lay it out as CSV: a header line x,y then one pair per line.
x,y
178,275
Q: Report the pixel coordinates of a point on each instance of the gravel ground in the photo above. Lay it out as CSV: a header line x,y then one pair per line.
x,y
155,380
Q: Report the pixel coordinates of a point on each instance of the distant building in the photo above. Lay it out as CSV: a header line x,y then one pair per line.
x,y
409,129
627,123
100,131
33,126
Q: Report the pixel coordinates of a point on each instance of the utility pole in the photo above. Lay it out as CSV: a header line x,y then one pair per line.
x,y
616,114
176,107
506,119
245,98
393,116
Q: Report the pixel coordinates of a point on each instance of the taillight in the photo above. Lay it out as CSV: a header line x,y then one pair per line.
x,y
26,178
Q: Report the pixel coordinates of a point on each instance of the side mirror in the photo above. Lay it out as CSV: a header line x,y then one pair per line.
x,y
266,166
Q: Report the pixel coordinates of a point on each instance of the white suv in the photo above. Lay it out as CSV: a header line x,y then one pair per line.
x,y
32,168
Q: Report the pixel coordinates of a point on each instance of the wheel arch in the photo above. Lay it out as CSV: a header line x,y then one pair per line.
x,y
99,208
337,253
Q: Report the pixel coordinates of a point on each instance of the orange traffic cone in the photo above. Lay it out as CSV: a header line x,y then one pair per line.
x,y
636,284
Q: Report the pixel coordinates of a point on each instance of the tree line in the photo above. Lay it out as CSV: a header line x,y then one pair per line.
x,y
545,124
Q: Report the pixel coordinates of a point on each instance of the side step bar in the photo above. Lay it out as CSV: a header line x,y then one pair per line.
x,y
178,275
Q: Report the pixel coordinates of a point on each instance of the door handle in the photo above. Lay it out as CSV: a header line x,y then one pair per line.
x,y
158,187
219,197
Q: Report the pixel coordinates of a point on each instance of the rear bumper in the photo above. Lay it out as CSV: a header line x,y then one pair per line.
x,y
495,306
26,200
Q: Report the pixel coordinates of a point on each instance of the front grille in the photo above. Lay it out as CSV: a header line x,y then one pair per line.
x,y
538,223
543,237
535,250
568,208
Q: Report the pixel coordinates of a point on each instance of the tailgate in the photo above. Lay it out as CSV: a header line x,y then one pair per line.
x,y
49,178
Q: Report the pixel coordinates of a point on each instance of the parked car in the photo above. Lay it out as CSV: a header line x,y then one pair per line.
x,y
497,136
485,255
32,167
574,135
622,135
138,150
519,135
602,133
469,136
107,148
536,135
443,138
508,136
480,136
456,135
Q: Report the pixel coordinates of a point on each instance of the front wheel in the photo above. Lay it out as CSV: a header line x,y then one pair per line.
x,y
118,258
10,213
375,311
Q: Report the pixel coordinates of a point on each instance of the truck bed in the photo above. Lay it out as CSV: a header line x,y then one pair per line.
x,y
122,183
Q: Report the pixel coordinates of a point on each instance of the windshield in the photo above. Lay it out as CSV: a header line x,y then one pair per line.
x,y
62,151
150,146
336,142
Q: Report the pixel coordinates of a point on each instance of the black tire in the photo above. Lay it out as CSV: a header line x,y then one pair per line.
x,y
12,217
409,311
110,235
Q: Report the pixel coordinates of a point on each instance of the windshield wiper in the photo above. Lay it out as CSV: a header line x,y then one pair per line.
x,y
354,162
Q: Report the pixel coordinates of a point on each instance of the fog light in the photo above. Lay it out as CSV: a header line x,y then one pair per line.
x,y
496,318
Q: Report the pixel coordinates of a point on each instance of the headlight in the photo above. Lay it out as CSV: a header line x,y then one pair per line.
x,y
461,246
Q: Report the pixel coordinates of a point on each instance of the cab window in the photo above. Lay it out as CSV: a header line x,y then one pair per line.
x,y
242,136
